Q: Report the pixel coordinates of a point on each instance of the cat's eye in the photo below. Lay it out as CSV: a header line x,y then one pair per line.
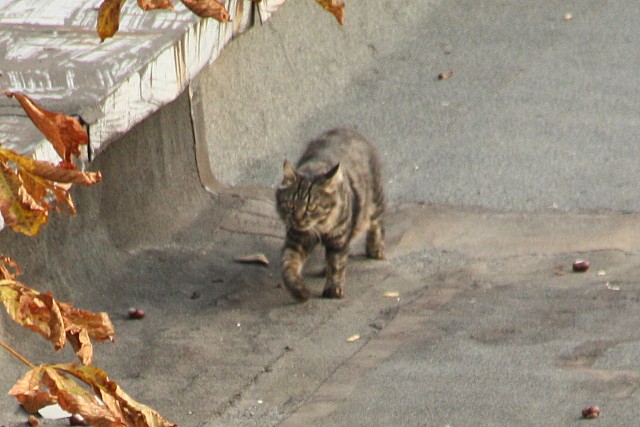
x,y
311,207
289,206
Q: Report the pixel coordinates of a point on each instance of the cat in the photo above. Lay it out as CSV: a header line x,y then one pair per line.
x,y
332,195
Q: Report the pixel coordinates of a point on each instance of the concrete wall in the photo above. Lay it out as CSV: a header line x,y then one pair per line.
x,y
150,191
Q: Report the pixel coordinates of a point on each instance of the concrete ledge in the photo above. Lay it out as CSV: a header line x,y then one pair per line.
x,y
52,52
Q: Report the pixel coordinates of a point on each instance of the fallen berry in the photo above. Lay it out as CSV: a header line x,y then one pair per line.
x,y
580,265
591,412
77,420
136,313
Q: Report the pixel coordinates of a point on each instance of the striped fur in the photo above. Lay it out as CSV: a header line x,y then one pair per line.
x,y
332,195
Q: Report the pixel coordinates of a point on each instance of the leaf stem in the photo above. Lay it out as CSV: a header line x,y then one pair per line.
x,y
17,355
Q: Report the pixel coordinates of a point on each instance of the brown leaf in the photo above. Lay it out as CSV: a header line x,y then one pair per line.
x,y
253,259
79,340
109,18
208,9
55,321
75,399
29,393
335,7
6,264
65,133
116,400
35,311
27,192
98,325
155,4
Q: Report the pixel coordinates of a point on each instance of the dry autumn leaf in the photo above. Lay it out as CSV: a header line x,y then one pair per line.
x,y
335,7
82,326
119,409
208,9
30,188
29,392
257,258
56,321
60,389
65,133
109,18
6,265
353,338
155,4
18,209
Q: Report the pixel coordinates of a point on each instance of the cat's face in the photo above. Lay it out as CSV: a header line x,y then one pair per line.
x,y
306,202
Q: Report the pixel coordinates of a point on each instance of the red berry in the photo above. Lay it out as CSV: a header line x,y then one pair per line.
x,y
591,412
136,313
580,265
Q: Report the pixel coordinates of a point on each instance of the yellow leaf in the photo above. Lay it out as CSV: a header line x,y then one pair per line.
x,y
18,209
109,18
208,9
24,192
335,7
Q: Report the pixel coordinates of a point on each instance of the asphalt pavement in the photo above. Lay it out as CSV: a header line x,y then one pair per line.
x,y
539,112
498,178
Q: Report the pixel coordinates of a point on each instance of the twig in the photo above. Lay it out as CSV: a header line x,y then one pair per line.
x,y
17,355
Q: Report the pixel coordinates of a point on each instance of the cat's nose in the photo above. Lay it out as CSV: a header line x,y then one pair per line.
x,y
298,217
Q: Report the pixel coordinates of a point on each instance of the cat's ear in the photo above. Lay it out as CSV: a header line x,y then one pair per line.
x,y
333,178
289,174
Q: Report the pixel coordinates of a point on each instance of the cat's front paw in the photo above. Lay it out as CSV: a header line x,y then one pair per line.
x,y
300,295
333,292
299,292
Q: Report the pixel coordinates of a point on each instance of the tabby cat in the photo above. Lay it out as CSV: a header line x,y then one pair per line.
x,y
331,196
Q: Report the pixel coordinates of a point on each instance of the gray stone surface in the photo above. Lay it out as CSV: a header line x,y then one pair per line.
x,y
491,327
539,112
